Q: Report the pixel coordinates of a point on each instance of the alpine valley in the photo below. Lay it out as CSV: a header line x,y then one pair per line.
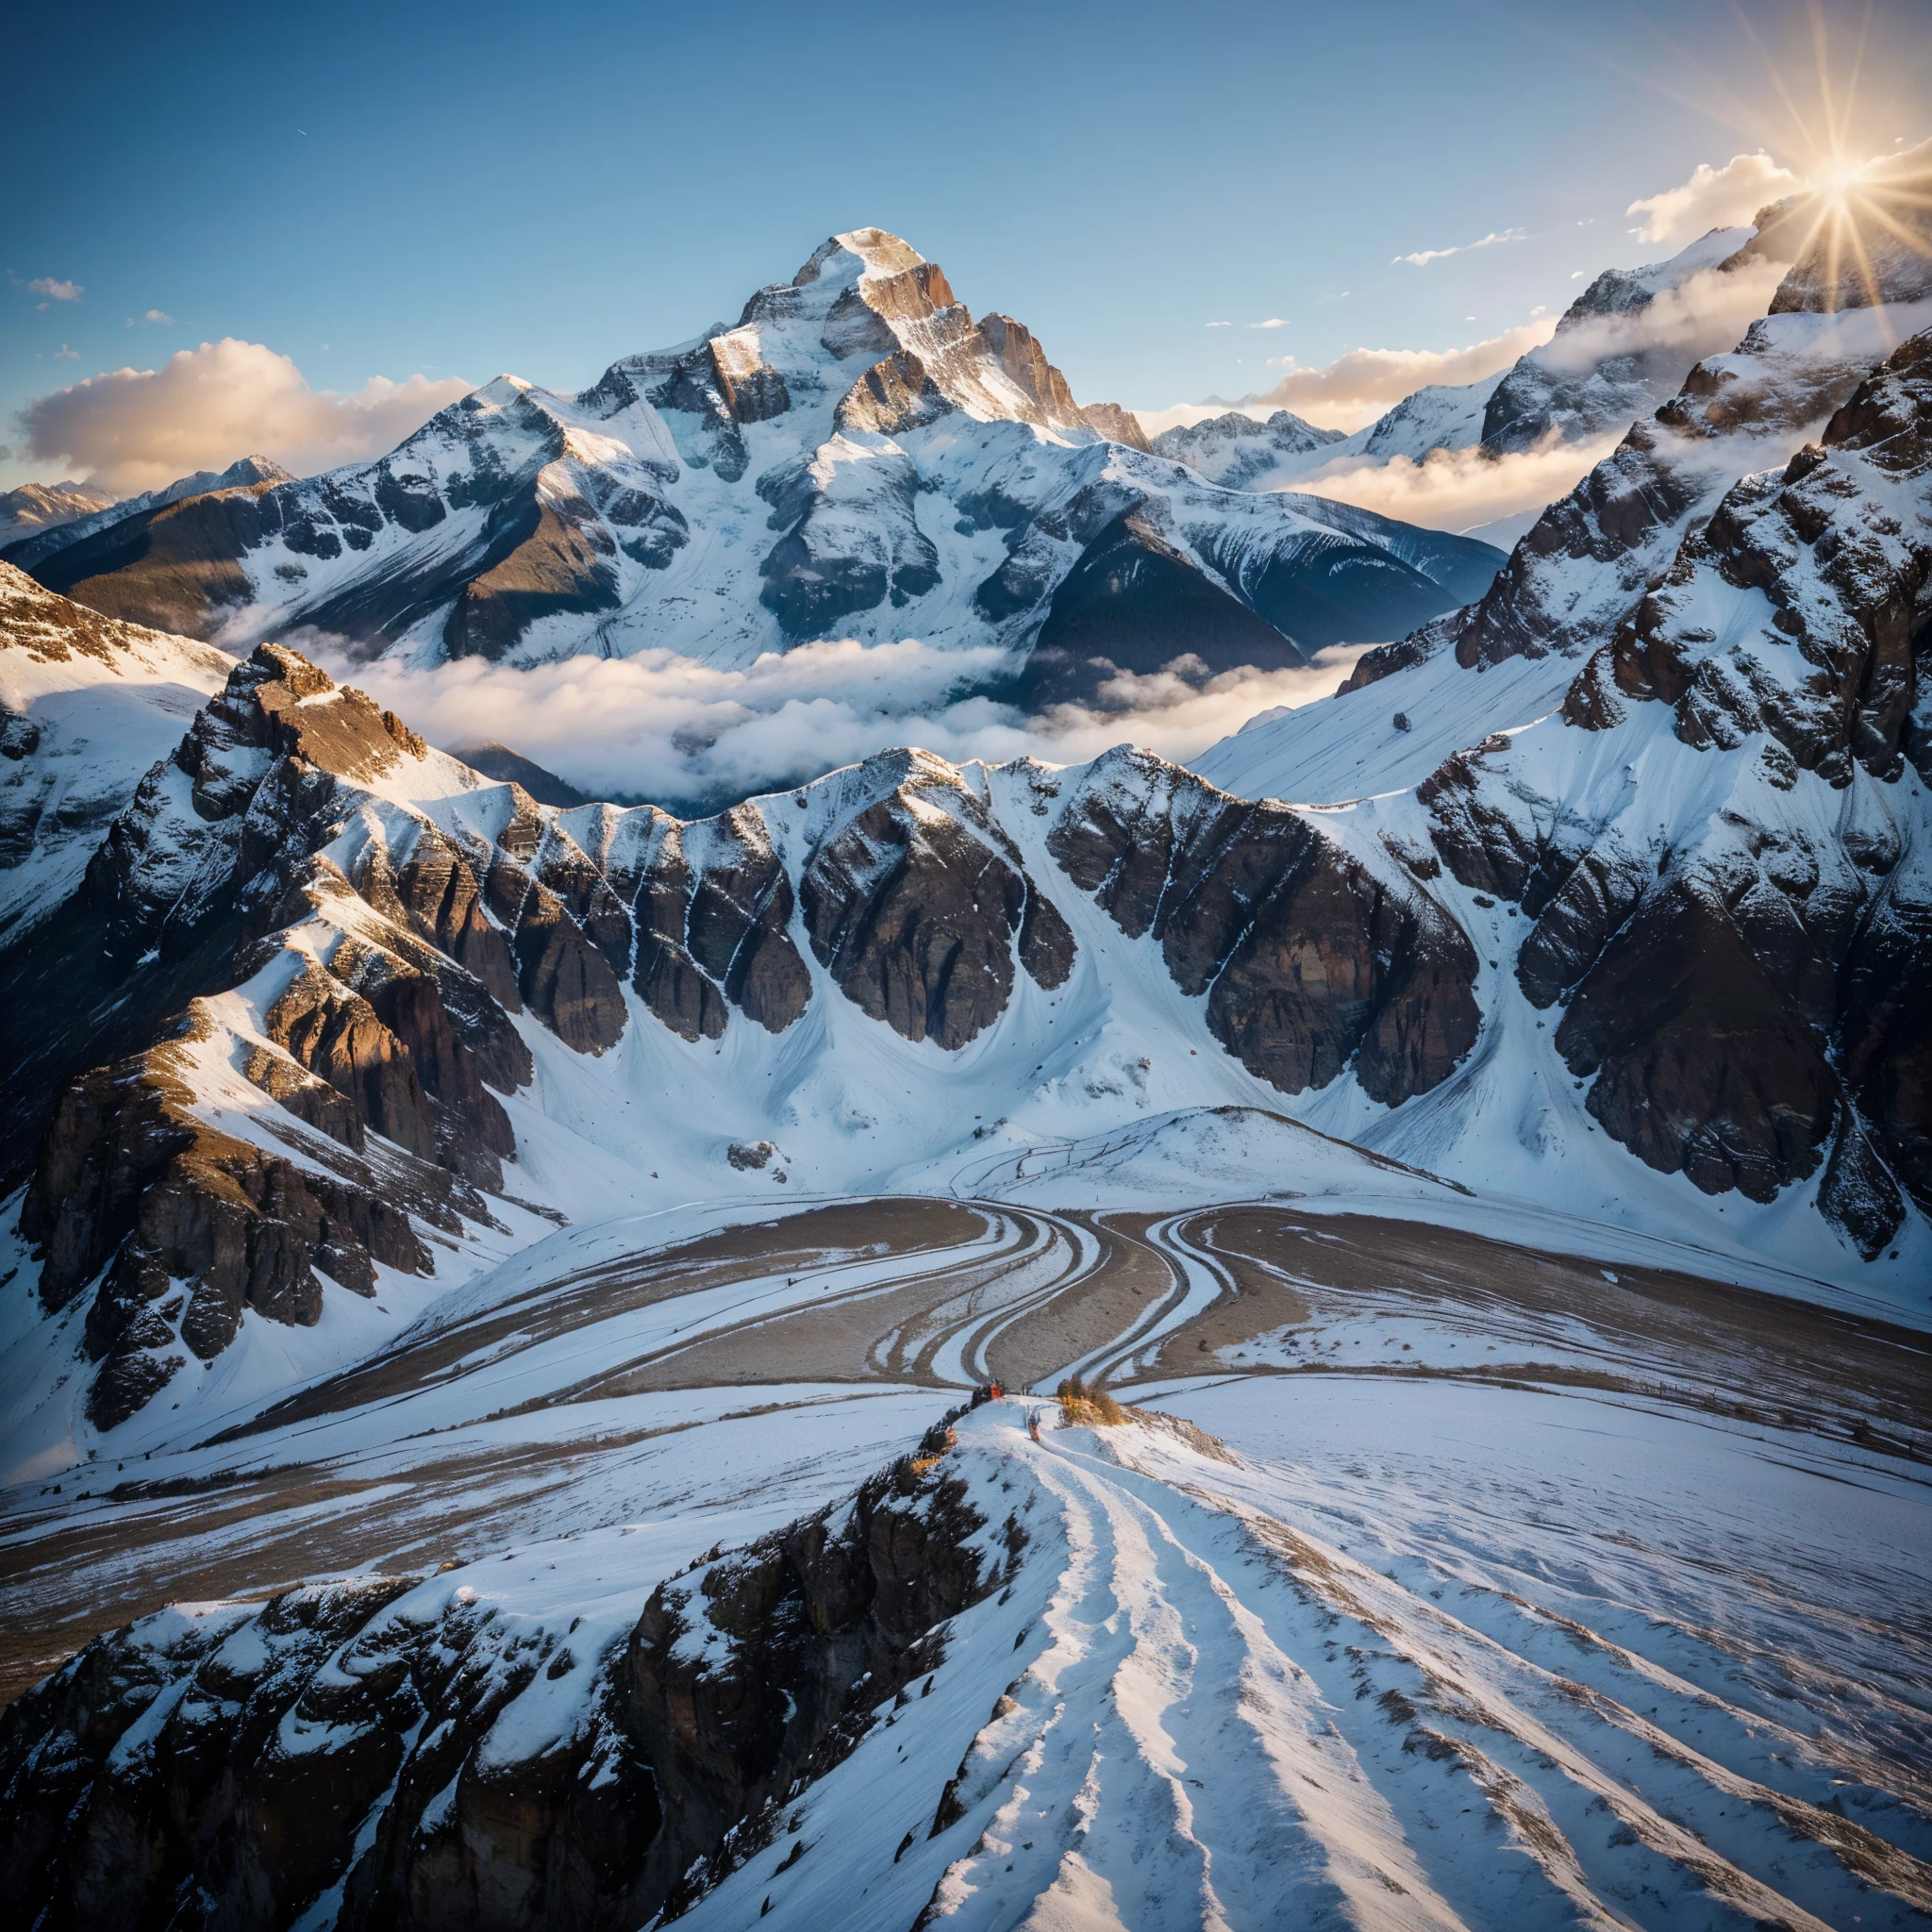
x,y
1333,1334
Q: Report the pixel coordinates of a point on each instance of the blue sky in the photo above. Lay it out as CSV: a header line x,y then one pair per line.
x,y
391,190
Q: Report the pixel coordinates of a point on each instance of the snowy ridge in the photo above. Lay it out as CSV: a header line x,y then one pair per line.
x,y
1431,1674
1217,1713
86,706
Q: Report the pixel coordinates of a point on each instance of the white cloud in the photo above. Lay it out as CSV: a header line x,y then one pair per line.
x,y
57,290
1457,489
1422,256
138,428
1273,321
1712,198
1219,325
1705,314
64,354
665,727
1355,388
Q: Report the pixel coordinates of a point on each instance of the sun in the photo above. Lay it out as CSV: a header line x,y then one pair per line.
x,y
1858,210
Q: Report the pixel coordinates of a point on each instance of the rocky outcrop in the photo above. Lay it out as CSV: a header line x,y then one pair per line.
x,y
434,1763
539,562
739,919
913,908
858,543
1312,963
193,1226
1738,988
1582,569
370,1020
1116,425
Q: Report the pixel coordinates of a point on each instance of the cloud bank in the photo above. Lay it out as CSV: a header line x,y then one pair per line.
x,y
140,428
1712,198
677,732
1355,388
1457,488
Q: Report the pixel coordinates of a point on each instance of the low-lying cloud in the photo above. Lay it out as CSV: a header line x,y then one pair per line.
x,y
1458,488
1707,314
1358,387
133,429
1712,198
688,735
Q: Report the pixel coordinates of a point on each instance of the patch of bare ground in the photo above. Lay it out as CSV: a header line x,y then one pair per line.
x,y
1261,1298
1728,1350
809,1239
1129,1277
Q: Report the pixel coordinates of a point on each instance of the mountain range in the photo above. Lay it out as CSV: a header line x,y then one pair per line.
x,y
855,457
392,1128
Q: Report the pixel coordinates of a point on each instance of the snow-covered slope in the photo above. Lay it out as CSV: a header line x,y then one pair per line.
x,y
855,457
1391,1655
1234,449
1581,570
421,1000
87,705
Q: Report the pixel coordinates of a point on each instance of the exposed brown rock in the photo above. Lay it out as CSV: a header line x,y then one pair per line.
x,y
914,915
337,1035
177,568
1025,362
1117,425
565,981
1702,1065
344,1705
1753,998
892,396
809,1629
737,925
1311,962
753,392
197,1224
546,564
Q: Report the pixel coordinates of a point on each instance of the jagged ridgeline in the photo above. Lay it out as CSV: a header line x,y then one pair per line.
x,y
857,457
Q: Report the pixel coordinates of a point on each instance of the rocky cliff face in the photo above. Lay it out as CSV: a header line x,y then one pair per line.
x,y
1313,962
368,924
1737,933
410,1755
